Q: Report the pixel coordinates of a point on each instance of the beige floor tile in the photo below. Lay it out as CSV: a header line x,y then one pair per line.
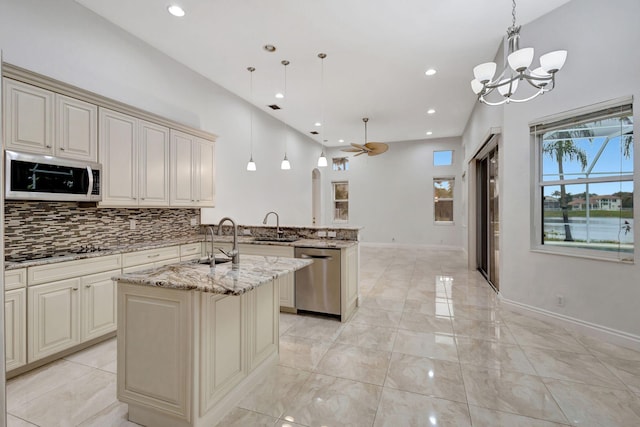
x,y
390,292
431,377
512,392
492,331
401,408
239,417
115,415
383,303
593,406
301,353
282,422
436,346
425,323
72,403
275,391
627,370
483,417
363,335
583,368
355,363
17,422
330,401
97,356
439,307
494,355
376,317
33,384
602,348
317,328
472,312
552,339
287,320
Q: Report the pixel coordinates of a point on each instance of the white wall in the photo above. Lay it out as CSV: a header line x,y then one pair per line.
x,y
391,195
63,40
602,64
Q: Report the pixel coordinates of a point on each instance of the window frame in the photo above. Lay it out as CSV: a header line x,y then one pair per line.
x,y
452,199
334,201
345,162
609,109
443,165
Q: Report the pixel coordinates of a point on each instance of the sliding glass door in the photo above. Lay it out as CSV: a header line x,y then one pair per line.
x,y
488,216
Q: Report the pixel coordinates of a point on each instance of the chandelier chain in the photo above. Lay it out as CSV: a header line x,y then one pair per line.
x,y
513,13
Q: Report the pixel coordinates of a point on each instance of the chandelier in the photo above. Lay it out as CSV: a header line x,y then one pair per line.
x,y
542,79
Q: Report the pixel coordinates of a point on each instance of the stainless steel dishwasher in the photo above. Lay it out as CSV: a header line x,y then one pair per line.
x,y
318,285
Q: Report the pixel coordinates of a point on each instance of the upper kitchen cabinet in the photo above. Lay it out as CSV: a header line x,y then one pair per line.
x,y
43,122
192,170
135,159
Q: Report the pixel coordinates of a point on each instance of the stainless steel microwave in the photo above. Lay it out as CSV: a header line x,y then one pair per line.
x,y
38,177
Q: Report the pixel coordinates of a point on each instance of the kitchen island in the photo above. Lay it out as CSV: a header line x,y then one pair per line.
x,y
193,340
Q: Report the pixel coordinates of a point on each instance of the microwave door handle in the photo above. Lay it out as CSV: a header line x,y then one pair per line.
x,y
90,190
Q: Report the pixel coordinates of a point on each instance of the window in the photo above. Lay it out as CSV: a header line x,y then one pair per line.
x,y
340,201
443,158
340,164
586,183
443,199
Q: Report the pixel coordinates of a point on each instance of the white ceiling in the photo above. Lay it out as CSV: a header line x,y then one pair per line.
x,y
377,53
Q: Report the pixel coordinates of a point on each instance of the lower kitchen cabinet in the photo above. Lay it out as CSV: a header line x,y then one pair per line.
x,y
99,314
15,328
54,318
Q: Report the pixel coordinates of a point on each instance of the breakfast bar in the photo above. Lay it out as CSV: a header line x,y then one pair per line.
x,y
193,339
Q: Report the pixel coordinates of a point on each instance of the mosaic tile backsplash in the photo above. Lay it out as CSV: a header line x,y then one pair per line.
x,y
50,227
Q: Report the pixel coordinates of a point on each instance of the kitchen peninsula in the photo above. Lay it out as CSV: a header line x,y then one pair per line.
x,y
193,339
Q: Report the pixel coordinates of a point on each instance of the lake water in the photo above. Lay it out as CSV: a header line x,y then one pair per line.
x,y
600,229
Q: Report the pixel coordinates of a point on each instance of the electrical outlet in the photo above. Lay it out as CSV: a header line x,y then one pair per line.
x,y
322,234
560,300
132,224
194,221
331,233
246,231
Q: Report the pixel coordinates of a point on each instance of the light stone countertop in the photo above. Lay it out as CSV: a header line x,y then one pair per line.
x,y
252,272
306,243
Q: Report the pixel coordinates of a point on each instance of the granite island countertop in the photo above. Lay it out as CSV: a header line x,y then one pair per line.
x,y
253,271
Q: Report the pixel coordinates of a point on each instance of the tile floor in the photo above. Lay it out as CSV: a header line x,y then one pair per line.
x,y
430,346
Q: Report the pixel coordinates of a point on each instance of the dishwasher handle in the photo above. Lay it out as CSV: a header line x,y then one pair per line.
x,y
327,257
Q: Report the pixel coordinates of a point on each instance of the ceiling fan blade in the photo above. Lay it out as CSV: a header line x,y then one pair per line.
x,y
361,153
351,150
377,147
361,147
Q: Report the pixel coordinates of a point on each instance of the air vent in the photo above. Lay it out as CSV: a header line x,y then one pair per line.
x,y
314,132
274,107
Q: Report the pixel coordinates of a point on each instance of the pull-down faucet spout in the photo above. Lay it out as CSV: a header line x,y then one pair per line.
x,y
278,232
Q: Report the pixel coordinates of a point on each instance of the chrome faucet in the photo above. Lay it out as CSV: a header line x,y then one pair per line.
x,y
279,233
234,254
211,255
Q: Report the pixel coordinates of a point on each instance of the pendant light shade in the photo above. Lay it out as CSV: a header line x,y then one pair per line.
x,y
322,160
285,165
251,166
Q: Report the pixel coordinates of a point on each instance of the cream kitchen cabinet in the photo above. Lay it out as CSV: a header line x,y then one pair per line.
x,y
150,258
191,170
135,157
15,315
43,122
287,283
69,303
190,251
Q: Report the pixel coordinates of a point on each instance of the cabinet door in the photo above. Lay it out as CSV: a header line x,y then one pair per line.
x,y
153,165
53,318
28,117
15,328
76,129
204,173
181,169
263,321
119,157
98,305
287,291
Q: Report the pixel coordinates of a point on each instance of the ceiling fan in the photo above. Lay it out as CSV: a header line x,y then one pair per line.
x,y
368,148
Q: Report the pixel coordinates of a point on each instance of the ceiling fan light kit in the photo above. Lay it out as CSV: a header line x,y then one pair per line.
x,y
517,68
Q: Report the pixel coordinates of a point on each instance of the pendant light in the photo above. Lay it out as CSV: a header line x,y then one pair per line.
x,y
322,160
285,165
251,166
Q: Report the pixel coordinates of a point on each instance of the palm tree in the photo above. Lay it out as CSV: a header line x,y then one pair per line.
x,y
560,149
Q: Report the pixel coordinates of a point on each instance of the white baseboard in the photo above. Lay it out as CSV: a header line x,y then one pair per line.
x,y
594,330
410,246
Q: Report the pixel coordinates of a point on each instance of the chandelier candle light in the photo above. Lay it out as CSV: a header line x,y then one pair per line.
x,y
542,79
322,160
285,165
251,166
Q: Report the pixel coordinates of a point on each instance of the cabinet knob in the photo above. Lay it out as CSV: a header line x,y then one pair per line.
x,y
141,198
61,148
87,286
75,289
48,146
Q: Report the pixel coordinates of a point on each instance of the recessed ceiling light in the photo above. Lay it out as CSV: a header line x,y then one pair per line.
x,y
430,72
431,111
318,124
429,133
279,95
269,48
176,10
341,140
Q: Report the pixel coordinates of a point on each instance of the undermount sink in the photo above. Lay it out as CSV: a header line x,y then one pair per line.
x,y
276,239
206,260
